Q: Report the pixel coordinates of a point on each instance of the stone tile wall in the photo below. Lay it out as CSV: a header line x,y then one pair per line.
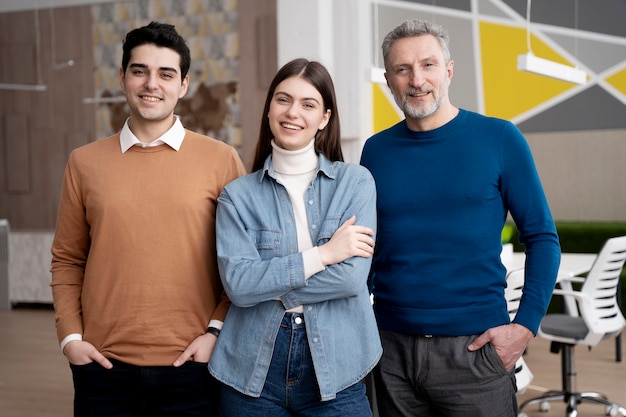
x,y
210,28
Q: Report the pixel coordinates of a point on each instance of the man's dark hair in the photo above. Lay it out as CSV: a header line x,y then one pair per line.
x,y
159,34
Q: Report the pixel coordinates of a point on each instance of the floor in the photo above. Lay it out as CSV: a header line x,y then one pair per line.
x,y
35,380
597,370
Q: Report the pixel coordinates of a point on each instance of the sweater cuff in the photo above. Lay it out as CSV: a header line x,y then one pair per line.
x,y
312,262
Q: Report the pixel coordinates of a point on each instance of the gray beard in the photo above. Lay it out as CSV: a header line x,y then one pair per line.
x,y
414,112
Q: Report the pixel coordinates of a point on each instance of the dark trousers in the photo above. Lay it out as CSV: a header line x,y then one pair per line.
x,y
134,391
422,376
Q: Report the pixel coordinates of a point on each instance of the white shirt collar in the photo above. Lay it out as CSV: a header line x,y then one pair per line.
x,y
173,137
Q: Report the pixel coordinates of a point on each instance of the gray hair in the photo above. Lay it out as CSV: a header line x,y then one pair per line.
x,y
417,27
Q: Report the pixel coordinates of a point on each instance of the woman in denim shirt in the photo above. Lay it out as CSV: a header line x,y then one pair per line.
x,y
294,242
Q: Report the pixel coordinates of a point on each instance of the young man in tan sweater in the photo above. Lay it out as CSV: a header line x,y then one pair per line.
x,y
136,290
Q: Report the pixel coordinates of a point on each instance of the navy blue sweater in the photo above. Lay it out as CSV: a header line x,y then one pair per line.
x,y
443,198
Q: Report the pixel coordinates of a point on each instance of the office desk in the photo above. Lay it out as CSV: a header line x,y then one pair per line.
x,y
572,264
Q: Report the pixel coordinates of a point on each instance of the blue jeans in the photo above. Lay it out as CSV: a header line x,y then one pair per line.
x,y
291,388
138,391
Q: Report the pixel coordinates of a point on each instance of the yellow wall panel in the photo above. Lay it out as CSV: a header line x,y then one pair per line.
x,y
507,91
618,80
385,114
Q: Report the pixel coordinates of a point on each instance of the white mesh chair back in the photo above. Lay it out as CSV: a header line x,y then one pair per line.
x,y
600,308
513,291
598,316
513,295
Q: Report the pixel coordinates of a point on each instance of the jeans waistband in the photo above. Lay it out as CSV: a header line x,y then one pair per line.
x,y
293,320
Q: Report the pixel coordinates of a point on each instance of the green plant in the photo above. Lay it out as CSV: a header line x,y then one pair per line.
x,y
507,233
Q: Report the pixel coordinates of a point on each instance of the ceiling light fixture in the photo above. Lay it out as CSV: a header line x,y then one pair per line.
x,y
531,63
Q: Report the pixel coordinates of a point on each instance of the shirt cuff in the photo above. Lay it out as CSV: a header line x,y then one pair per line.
x,y
218,324
70,338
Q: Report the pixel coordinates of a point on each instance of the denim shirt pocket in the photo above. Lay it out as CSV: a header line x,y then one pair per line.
x,y
266,241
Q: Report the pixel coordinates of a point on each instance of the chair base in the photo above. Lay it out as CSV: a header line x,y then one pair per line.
x,y
572,399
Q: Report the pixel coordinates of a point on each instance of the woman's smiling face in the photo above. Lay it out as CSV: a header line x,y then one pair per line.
x,y
296,113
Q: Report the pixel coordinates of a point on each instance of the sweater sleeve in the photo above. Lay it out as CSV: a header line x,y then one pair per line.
x,y
235,170
312,262
525,199
69,255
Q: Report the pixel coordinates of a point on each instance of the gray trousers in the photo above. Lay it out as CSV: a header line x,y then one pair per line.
x,y
423,376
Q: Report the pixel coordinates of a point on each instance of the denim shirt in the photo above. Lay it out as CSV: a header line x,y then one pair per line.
x,y
263,274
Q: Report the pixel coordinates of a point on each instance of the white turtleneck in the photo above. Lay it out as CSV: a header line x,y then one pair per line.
x,y
295,171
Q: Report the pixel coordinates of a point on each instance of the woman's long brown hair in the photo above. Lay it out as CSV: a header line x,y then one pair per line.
x,y
328,140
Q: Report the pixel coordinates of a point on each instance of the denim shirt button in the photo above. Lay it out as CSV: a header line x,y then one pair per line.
x,y
313,227
315,339
310,202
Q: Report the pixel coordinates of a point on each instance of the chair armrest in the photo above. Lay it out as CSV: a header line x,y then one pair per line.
x,y
570,293
564,282
564,278
571,299
568,279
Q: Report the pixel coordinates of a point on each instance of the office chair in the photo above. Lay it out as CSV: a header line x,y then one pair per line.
x,y
513,295
596,315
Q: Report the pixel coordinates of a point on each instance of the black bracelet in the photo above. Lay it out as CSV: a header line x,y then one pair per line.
x,y
213,330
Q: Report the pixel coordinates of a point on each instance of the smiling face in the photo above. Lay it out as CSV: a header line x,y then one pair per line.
x,y
152,85
419,76
296,113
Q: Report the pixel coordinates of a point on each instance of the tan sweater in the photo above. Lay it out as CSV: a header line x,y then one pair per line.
x,y
133,259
